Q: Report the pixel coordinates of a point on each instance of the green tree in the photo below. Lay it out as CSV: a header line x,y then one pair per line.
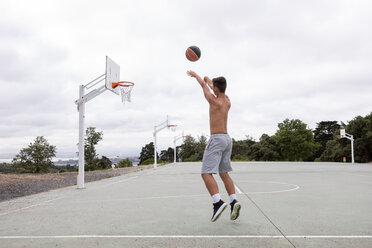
x,y
200,147
124,163
192,150
188,148
265,150
104,163
241,149
334,151
325,131
167,155
295,141
36,158
147,152
91,140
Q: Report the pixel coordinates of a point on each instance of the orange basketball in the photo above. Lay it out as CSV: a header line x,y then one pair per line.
x,y
193,53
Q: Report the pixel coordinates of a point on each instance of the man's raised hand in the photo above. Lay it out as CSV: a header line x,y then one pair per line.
x,y
192,73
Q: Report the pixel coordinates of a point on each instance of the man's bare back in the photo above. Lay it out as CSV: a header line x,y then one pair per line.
x,y
219,104
218,114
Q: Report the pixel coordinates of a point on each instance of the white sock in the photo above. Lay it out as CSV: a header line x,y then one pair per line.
x,y
232,197
216,198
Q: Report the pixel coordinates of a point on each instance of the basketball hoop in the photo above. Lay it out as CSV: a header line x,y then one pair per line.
x,y
125,90
172,127
342,133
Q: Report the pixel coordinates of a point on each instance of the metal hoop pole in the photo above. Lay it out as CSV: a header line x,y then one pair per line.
x,y
180,136
155,159
157,129
81,107
352,149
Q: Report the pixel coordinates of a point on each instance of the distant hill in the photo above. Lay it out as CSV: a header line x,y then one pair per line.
x,y
135,161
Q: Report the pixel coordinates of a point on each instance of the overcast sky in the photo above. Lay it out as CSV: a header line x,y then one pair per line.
x,y
307,60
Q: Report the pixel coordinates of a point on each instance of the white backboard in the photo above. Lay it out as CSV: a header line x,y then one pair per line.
x,y
112,75
342,132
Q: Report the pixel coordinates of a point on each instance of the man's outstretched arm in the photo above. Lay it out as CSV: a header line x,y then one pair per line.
x,y
208,95
209,82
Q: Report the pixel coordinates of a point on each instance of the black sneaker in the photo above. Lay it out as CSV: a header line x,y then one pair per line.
x,y
235,209
218,209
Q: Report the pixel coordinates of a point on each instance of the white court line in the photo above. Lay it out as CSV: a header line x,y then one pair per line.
x,y
277,191
361,175
237,189
157,169
127,179
31,206
109,184
184,196
140,198
193,236
295,187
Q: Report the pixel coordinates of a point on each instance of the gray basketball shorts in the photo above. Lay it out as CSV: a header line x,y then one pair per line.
x,y
216,158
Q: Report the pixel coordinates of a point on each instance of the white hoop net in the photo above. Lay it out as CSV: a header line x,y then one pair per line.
x,y
172,127
125,91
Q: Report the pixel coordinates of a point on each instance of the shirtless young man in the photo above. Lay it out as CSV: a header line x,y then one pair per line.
x,y
217,153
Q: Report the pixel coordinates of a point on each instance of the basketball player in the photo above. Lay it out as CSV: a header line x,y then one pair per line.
x,y
217,153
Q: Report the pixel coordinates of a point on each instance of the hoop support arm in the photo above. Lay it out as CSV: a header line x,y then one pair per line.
x,y
89,96
178,137
161,126
93,82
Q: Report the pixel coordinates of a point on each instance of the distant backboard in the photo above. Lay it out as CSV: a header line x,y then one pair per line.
x,y
342,132
112,75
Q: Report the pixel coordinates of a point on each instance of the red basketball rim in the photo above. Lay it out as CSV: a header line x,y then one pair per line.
x,y
122,84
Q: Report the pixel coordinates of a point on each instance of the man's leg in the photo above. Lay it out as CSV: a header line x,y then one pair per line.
x,y
218,205
230,188
210,183
229,184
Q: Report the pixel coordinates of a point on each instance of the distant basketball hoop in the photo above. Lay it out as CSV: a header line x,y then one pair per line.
x,y
350,137
158,128
342,133
178,137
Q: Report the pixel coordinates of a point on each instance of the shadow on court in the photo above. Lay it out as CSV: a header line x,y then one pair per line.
x,y
283,205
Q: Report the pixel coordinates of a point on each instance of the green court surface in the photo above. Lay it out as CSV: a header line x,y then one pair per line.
x,y
283,205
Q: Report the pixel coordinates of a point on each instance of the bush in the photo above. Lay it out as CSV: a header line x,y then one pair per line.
x,y
104,163
240,157
98,164
22,170
193,158
151,161
124,163
7,168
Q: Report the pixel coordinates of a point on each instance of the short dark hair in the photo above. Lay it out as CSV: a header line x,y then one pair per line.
x,y
220,83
